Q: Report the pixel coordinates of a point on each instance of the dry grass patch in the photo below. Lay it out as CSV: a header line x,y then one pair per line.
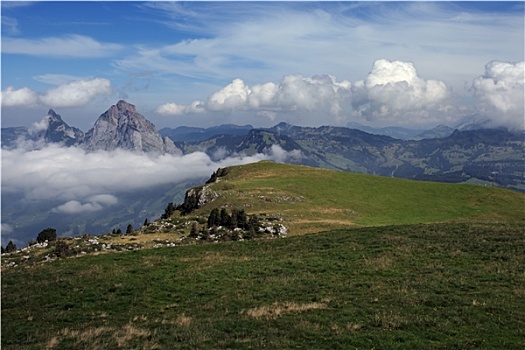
x,y
98,337
129,332
278,309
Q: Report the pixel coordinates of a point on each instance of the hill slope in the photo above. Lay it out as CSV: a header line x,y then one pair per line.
x,y
311,199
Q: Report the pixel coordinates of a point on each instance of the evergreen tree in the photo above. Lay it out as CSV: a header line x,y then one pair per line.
x,y
242,221
224,217
10,247
146,222
233,219
119,231
168,212
49,234
129,229
253,223
214,218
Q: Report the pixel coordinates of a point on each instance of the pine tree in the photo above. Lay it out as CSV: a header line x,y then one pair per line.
x,y
129,229
224,218
146,222
168,212
241,219
214,218
233,219
10,247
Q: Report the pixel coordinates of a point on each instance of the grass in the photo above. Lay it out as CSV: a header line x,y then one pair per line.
x,y
312,200
436,286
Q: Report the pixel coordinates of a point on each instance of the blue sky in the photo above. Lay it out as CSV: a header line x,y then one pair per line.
x,y
413,64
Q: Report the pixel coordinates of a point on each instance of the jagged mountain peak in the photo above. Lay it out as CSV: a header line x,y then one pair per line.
x,y
125,106
54,115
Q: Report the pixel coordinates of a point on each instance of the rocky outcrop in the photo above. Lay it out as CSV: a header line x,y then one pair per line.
x,y
121,126
196,197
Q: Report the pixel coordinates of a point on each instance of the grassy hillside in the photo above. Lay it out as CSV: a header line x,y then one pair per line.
x,y
412,265
439,286
311,199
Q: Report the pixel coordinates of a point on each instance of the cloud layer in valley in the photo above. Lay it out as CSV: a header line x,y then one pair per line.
x,y
87,182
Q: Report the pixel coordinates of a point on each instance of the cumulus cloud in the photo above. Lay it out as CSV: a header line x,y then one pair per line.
x,y
500,92
76,93
20,97
71,94
394,89
176,109
321,93
90,181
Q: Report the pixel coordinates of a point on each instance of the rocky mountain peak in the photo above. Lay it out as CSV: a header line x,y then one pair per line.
x,y
121,126
53,115
124,106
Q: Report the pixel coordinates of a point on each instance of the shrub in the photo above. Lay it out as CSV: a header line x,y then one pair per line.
x,y
49,234
62,249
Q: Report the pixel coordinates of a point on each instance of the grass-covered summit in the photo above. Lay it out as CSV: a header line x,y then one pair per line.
x,y
311,199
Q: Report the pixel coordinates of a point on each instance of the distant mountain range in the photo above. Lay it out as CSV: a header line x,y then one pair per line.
x,y
492,157
466,154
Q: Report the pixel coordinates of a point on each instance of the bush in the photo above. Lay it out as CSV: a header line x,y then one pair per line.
x,y
62,249
49,234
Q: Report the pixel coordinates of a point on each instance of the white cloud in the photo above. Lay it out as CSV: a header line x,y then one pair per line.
x,y
76,93
500,92
72,94
280,155
394,90
67,46
20,97
176,109
93,203
10,25
86,181
321,93
39,126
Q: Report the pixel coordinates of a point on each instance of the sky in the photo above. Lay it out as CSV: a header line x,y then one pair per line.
x,y
411,64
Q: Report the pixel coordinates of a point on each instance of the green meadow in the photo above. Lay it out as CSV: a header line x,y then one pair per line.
x,y
436,286
387,264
